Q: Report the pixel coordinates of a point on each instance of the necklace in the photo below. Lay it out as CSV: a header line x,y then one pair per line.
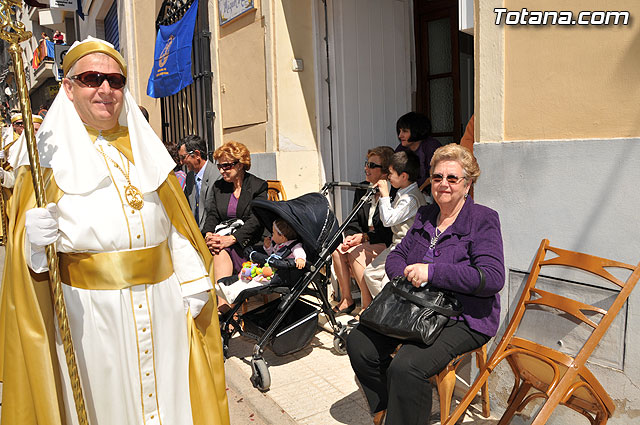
x,y
435,238
132,194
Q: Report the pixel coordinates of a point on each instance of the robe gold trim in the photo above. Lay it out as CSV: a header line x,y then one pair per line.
x,y
32,391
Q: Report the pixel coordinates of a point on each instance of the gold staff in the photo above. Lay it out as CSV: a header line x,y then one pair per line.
x,y
3,211
14,33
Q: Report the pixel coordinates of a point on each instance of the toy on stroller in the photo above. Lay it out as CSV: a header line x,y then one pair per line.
x,y
288,323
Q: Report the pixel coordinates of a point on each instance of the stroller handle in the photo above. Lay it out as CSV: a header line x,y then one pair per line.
x,y
330,185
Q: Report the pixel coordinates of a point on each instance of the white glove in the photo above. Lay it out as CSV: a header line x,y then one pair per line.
x,y
1,153
41,225
195,303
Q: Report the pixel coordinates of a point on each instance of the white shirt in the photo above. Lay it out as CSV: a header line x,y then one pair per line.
x,y
404,208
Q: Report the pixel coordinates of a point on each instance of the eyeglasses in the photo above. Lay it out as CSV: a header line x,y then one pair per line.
x,y
182,157
226,166
372,165
19,123
95,79
451,179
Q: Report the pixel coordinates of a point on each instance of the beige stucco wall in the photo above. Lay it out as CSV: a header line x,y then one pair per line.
x,y
295,98
488,73
568,82
271,108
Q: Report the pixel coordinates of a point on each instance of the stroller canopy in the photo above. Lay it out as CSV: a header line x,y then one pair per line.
x,y
309,215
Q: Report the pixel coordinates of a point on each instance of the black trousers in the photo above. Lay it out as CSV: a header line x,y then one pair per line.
x,y
400,384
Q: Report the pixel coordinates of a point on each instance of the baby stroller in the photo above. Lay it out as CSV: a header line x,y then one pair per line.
x,y
289,323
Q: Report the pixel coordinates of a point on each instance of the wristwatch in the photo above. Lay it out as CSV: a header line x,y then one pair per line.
x,y
365,237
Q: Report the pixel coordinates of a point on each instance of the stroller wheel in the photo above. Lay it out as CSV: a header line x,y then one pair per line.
x,y
340,341
260,377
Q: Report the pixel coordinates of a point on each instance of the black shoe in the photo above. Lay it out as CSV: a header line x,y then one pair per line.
x,y
347,310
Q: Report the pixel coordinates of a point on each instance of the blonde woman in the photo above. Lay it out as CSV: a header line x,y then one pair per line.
x,y
233,194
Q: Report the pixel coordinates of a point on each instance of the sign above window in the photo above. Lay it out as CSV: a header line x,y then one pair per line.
x,y
230,10
63,4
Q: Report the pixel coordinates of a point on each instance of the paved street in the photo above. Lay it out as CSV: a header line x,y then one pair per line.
x,y
314,386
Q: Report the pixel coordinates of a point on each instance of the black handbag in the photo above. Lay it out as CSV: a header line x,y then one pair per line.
x,y
408,313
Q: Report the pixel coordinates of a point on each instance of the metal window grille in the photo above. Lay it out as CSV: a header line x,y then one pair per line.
x,y
190,111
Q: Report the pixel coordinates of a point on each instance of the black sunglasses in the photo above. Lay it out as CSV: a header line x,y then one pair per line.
x,y
372,165
95,79
226,166
182,157
451,178
19,123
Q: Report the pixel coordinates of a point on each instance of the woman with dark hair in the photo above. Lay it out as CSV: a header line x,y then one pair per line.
x,y
454,245
414,133
232,197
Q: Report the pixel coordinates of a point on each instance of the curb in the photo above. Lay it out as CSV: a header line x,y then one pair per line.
x,y
263,405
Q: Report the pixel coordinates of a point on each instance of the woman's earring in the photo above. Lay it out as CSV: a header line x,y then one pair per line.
x,y
466,195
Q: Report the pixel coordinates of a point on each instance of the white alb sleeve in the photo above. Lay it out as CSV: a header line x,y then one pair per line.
x,y
188,265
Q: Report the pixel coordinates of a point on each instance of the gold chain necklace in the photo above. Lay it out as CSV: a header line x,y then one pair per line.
x,y
132,194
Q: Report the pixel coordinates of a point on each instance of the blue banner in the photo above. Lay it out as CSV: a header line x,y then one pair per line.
x,y
172,59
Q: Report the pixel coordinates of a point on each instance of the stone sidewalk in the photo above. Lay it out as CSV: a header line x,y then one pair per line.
x,y
315,386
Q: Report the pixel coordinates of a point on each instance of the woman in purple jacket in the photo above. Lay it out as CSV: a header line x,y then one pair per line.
x,y
455,245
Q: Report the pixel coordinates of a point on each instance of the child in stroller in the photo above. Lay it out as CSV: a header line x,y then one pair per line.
x,y
283,245
288,323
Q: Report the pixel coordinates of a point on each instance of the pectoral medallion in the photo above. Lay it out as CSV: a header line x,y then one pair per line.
x,y
134,197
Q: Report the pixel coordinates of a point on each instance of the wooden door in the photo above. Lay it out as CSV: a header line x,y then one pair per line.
x,y
365,69
438,66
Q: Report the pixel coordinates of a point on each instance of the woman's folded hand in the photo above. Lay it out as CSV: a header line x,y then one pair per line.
x,y
417,274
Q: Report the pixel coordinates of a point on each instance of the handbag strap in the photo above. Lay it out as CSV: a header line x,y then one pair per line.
x,y
483,281
450,312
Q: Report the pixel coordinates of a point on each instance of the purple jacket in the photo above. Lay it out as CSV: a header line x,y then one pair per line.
x,y
425,151
473,239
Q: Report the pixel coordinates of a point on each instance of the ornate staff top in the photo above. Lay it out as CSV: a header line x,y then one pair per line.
x,y
11,29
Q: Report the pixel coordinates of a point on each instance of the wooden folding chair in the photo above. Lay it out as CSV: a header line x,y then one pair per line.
x,y
446,383
275,191
543,372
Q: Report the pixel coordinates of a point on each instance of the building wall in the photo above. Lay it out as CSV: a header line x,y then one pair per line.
x,y
593,68
556,121
295,114
259,99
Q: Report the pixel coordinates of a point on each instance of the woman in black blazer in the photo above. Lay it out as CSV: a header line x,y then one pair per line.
x,y
232,196
365,235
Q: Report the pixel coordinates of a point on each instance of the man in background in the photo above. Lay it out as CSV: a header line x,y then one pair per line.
x,y
202,173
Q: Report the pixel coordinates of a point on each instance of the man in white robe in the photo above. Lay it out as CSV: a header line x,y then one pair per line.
x,y
134,268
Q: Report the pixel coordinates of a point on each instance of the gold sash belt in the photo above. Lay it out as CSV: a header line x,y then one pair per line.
x,y
116,270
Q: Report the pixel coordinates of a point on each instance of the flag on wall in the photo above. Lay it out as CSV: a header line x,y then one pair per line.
x,y
172,58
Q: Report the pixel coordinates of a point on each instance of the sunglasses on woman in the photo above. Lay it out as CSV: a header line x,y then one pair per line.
x,y
451,178
372,165
95,79
226,166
